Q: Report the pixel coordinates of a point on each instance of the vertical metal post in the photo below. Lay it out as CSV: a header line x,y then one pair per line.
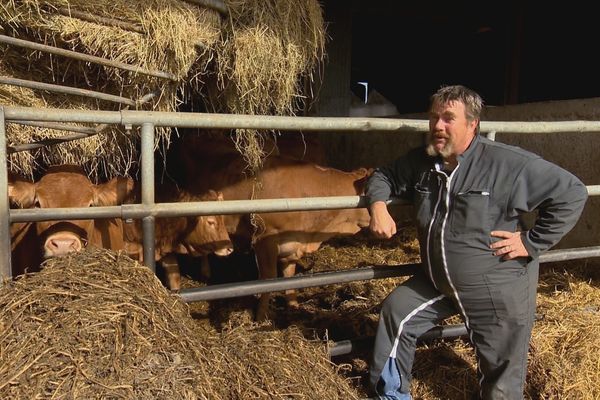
x,y
147,160
5,261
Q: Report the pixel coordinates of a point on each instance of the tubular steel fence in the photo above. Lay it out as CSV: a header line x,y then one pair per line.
x,y
148,210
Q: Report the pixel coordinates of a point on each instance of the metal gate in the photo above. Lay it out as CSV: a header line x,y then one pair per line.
x,y
147,210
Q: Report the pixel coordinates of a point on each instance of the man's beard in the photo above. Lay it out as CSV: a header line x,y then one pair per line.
x,y
445,152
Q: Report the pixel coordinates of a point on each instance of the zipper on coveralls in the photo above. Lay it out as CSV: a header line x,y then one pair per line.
x,y
433,218
443,246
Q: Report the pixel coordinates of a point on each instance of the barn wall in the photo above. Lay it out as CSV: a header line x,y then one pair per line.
x,y
576,152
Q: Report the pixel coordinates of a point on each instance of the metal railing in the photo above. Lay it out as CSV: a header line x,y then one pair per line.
x,y
147,210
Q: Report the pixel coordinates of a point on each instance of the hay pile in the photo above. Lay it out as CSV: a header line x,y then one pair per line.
x,y
256,59
566,340
98,325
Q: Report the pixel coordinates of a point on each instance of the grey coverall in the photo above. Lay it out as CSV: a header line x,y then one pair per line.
x,y
491,186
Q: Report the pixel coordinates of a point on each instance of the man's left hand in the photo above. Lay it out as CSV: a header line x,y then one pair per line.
x,y
511,247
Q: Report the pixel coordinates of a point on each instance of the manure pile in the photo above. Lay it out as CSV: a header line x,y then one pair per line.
x,y
97,324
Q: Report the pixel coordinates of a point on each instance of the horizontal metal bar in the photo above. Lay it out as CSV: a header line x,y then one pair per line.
x,y
59,127
215,121
379,272
230,121
139,211
593,190
83,57
97,19
352,345
163,210
444,331
85,132
570,254
216,5
6,80
56,214
228,290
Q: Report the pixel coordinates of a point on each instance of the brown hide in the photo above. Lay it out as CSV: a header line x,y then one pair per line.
x,y
201,150
304,147
26,254
195,235
67,186
282,238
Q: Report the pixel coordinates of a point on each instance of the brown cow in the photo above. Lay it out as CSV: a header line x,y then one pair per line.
x,y
67,186
197,236
281,238
201,151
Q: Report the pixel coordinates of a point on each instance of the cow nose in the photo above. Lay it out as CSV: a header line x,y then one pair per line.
x,y
62,245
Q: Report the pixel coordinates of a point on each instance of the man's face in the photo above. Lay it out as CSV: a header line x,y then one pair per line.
x,y
450,133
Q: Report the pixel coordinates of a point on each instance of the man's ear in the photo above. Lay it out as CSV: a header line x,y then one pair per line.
x,y
475,125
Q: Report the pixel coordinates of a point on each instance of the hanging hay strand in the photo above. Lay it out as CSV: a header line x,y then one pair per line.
x,y
96,324
269,50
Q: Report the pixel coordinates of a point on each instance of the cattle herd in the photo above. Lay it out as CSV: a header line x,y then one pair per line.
x,y
203,170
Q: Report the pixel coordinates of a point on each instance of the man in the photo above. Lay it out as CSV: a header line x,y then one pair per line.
x,y
468,193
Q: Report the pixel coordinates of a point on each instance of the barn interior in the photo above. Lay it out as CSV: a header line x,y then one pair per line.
x,y
510,52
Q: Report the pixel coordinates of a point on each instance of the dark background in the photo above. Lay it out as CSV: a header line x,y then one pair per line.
x,y
509,53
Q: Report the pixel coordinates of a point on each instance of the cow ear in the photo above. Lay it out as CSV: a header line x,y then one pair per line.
x,y
114,192
361,183
21,193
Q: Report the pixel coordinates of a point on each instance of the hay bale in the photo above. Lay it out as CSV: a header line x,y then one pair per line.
x,y
268,56
168,38
256,61
96,324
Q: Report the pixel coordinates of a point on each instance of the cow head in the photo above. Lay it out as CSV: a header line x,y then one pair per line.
x,y
62,187
207,233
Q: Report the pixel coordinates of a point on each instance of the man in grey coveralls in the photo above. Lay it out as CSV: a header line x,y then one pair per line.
x,y
468,193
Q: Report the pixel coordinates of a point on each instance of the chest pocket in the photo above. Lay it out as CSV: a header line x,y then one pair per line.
x,y
424,206
470,213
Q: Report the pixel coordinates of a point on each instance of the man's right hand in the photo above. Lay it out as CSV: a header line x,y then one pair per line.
x,y
382,224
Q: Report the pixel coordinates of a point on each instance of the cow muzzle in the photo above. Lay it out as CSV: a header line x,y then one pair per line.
x,y
63,238
222,248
